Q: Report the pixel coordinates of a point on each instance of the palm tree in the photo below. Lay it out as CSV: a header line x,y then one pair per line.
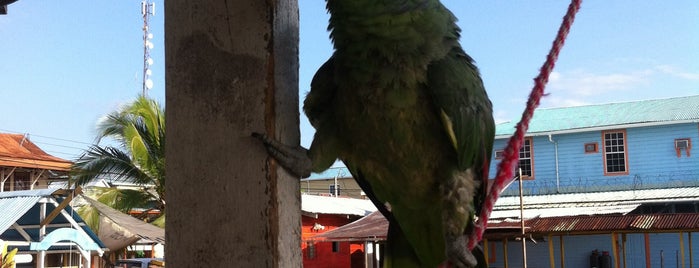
x,y
138,157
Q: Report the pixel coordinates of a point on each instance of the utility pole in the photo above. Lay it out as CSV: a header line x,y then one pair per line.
x,y
147,10
521,220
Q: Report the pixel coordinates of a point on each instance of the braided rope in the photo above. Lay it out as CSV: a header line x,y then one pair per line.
x,y
505,173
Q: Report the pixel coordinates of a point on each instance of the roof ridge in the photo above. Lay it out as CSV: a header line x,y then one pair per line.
x,y
595,116
618,102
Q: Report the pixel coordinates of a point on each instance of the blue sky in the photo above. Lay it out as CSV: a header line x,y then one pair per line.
x,y
64,64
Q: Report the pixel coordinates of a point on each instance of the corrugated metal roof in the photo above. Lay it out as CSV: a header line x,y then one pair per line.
x,y
370,228
547,120
16,150
608,223
37,192
23,208
339,172
13,208
563,211
375,226
598,199
336,205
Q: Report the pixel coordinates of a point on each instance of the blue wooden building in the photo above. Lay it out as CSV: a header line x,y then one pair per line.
x,y
620,177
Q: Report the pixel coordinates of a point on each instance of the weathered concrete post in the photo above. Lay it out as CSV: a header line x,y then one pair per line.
x,y
232,68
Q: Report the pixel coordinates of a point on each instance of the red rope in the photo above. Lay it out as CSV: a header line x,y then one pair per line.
x,y
506,167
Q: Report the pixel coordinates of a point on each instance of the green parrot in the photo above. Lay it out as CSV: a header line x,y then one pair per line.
x,y
404,107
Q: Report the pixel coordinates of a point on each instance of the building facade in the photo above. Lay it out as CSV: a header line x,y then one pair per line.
x,y
628,166
321,214
616,146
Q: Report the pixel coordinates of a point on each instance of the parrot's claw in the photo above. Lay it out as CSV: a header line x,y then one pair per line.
x,y
293,159
458,254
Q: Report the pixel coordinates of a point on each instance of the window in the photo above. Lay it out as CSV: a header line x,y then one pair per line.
x,y
615,159
591,148
332,190
22,181
499,154
526,159
336,246
683,145
310,250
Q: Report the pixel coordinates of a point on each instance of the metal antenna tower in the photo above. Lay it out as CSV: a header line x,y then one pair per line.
x,y
147,10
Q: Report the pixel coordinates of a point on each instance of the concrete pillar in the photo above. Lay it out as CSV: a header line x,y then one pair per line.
x,y
231,69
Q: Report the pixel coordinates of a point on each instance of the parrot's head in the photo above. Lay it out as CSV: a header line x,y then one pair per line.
x,y
373,7
368,19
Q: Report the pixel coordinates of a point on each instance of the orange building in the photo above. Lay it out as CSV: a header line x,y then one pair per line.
x,y
321,214
24,166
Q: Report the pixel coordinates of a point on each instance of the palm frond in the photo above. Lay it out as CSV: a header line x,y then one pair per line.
x,y
91,216
106,162
139,157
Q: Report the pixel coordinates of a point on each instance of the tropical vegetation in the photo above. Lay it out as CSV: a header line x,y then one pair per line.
x,y
135,156
7,259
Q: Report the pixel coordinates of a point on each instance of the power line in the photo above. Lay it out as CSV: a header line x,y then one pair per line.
x,y
43,136
58,145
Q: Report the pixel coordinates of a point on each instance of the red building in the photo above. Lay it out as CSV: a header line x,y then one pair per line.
x,y
321,214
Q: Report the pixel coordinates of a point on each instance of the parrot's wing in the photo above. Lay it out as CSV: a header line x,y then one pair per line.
x,y
462,103
398,252
358,176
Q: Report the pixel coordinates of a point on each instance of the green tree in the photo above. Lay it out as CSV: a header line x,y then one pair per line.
x,y
137,156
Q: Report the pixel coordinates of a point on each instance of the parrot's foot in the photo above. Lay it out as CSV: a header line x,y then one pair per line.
x,y
458,254
458,194
294,159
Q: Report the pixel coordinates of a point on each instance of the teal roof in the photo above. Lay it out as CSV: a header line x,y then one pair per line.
x,y
339,172
24,208
580,118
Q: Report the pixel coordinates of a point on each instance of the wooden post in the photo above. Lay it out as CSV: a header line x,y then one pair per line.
x,y
563,251
646,242
682,250
691,256
231,69
504,251
615,249
552,263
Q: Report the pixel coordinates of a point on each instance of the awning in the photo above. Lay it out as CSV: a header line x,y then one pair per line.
x,y
312,205
118,230
370,228
619,223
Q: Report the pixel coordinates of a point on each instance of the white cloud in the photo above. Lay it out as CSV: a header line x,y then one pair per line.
x,y
555,101
567,88
583,87
671,70
584,83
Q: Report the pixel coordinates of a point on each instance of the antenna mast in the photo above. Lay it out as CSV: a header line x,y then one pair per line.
x,y
147,10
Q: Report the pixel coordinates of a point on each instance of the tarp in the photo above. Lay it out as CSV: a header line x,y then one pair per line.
x,y
118,230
